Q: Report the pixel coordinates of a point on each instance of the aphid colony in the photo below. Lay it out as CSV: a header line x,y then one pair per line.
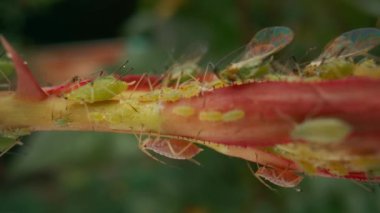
x,y
288,122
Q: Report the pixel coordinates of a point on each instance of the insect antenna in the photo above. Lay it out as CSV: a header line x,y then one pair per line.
x,y
150,84
123,67
195,162
178,80
203,83
137,84
206,71
192,77
158,81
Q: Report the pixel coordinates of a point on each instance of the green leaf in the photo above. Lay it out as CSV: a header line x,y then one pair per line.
x,y
6,144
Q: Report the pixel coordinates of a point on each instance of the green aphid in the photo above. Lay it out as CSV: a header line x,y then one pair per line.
x,y
368,68
322,131
348,45
254,73
336,69
181,73
255,61
101,89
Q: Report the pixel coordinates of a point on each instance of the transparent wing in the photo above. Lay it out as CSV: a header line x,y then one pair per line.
x,y
268,41
194,53
265,43
186,67
352,43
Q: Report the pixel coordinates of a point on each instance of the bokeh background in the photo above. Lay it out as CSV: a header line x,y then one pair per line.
x,y
99,172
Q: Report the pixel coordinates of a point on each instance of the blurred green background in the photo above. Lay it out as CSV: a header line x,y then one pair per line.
x,y
98,172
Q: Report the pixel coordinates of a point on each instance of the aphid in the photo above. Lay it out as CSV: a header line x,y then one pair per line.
x,y
233,115
348,45
280,177
321,130
184,111
171,148
368,68
210,115
185,69
253,62
104,88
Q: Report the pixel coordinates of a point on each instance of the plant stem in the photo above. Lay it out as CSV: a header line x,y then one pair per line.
x,y
57,113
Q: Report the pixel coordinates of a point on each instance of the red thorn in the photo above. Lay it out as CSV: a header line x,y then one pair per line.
x,y
27,86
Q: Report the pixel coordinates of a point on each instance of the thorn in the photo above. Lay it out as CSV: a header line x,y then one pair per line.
x,y
27,86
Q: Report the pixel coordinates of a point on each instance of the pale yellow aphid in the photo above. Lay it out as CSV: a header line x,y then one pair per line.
x,y
101,89
367,68
233,115
321,130
171,94
218,84
190,90
184,111
150,97
210,116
